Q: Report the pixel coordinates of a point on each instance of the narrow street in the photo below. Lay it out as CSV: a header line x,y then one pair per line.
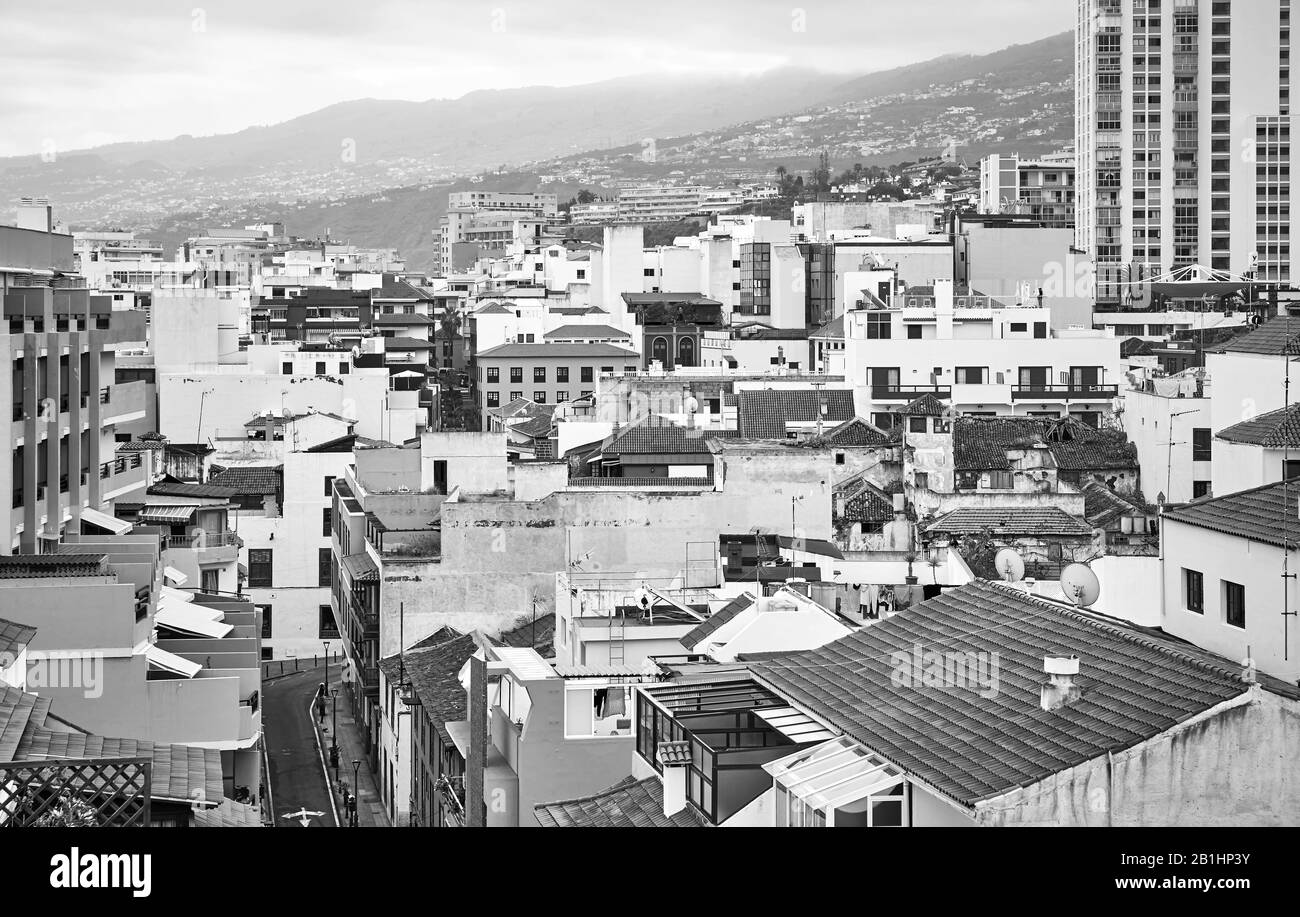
x,y
293,758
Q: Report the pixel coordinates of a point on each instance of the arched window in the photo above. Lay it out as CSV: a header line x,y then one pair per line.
x,y
686,352
659,351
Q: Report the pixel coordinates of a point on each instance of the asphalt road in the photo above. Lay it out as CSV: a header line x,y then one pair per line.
x,y
293,759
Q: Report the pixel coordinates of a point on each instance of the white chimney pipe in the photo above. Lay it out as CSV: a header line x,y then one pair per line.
x,y
674,781
1060,690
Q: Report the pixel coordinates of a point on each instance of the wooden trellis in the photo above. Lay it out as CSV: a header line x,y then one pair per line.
x,y
104,792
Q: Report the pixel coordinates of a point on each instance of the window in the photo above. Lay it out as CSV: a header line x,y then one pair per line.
x,y
586,374
1202,444
879,326
1001,480
1290,469
916,425
516,374
1234,604
344,369
494,399
287,368
516,395
320,367
539,373
1019,327
1200,489
266,620
1040,329
922,480
329,485
324,563
326,519
327,629
494,374
259,568
914,332
561,395
1194,591
839,458
540,396
561,374
972,375
597,711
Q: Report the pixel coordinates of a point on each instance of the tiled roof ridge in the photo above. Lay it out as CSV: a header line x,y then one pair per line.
x,y
1116,629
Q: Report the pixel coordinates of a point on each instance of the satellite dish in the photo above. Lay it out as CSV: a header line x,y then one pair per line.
x,y
1080,584
1010,565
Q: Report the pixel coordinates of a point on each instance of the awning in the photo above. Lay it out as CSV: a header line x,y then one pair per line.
x,y
175,512
180,595
834,774
360,567
796,726
174,576
188,619
105,521
170,662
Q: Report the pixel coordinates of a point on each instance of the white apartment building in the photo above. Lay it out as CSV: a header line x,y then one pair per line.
x,y
1169,421
981,355
658,203
1183,138
286,543
1039,188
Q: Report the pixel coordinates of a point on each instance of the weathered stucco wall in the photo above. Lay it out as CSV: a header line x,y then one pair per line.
x,y
1235,767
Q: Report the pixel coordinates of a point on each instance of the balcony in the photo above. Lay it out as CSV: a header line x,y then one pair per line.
x,y
122,475
451,790
908,392
1064,392
123,403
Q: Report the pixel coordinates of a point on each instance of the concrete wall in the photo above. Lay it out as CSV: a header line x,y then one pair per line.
x,y
1254,565
1221,769
1130,588
1147,422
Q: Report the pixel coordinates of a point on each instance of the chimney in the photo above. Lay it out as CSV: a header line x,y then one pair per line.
x,y
900,504
1060,689
674,756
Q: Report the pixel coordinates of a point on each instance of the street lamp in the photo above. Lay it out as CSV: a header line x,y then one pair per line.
x,y
356,788
334,726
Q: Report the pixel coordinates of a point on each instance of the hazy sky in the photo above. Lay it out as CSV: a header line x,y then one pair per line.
x,y
78,73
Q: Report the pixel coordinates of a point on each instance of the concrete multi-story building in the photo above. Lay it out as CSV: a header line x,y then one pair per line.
x,y
1039,188
479,223
1184,151
982,355
57,344
122,652
658,203
547,373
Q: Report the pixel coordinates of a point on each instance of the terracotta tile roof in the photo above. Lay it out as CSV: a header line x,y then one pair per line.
x,y
434,674
14,638
1265,514
401,344
764,413
630,803
928,405
685,483
981,443
572,332
207,491
867,503
1004,521
1135,685
855,432
655,437
674,753
832,330
713,622
396,319
594,350
142,445
42,566
1278,429
1274,338
1102,506
250,480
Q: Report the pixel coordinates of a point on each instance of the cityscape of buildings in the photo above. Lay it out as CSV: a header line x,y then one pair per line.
x,y
976,504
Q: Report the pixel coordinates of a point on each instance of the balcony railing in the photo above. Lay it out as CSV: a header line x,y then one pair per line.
x,y
1059,392
908,392
105,394
452,792
219,540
